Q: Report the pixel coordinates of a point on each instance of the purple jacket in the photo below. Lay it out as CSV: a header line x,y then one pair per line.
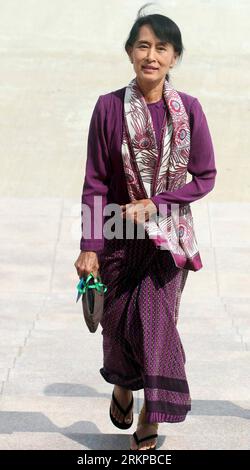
x,y
104,174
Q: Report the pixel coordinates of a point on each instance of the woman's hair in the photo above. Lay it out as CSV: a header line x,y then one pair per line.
x,y
164,28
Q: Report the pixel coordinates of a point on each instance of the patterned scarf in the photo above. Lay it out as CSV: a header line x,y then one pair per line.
x,y
150,171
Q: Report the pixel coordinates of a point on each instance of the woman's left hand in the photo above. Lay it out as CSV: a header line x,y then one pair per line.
x,y
139,211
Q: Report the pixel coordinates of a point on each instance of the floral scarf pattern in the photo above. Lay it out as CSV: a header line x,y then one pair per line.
x,y
150,171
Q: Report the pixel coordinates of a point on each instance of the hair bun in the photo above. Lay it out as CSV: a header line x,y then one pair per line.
x,y
141,12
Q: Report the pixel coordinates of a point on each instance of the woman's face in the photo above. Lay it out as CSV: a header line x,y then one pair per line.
x,y
148,50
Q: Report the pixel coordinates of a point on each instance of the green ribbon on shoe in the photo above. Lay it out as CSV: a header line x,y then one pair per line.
x,y
83,285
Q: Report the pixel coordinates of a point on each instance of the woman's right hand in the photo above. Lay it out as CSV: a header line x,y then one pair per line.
x,y
86,263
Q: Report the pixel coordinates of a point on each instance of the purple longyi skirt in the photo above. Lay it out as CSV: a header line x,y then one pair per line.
x,y
141,345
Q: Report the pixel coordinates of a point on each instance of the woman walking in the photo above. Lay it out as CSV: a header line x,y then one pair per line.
x,y
143,140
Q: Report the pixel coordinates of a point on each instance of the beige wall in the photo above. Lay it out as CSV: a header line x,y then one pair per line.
x,y
58,56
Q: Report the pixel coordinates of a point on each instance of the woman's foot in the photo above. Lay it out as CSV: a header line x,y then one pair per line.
x,y
143,430
124,397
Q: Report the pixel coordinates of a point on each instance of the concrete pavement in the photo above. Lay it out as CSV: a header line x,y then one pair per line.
x,y
52,395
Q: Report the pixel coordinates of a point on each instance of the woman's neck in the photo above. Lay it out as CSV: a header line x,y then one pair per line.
x,y
152,93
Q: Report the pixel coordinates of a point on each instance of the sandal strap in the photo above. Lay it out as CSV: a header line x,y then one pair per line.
x,y
124,412
147,438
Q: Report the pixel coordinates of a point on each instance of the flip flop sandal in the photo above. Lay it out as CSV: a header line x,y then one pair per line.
x,y
124,412
147,438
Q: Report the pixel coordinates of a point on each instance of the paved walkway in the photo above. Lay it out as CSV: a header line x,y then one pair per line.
x,y
52,394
